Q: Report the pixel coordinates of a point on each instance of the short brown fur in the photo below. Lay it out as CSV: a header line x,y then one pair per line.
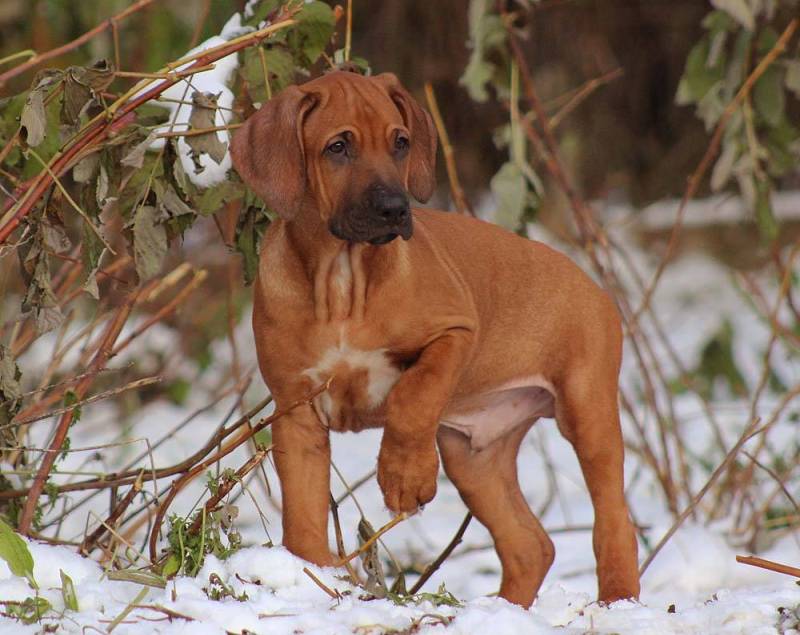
x,y
438,323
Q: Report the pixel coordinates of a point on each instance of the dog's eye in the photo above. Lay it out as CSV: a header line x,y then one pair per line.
x,y
401,143
337,147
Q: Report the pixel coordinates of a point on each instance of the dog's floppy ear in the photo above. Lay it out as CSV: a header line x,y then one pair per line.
x,y
268,154
421,178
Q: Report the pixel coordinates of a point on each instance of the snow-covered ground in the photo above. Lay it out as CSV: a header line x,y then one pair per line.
x,y
693,586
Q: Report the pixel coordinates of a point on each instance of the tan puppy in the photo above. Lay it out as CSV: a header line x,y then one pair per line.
x,y
436,327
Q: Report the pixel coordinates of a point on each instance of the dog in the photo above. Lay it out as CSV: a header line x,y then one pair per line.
x,y
444,330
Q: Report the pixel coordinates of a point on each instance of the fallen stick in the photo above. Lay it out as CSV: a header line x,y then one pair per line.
x,y
753,561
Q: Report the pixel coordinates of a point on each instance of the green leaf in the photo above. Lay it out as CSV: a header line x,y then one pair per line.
x,y
698,78
792,78
68,592
171,566
509,188
711,106
280,69
49,143
260,11
765,217
145,578
723,168
248,237
149,242
738,10
11,107
717,361
737,66
315,23
768,96
169,202
781,142
211,200
478,73
717,21
767,39
14,551
30,610
263,438
487,34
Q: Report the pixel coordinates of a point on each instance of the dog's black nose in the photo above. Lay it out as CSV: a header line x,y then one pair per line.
x,y
392,207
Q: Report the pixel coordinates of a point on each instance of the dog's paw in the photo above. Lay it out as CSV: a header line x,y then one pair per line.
x,y
407,478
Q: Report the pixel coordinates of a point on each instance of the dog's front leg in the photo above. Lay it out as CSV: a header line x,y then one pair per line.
x,y
408,463
302,455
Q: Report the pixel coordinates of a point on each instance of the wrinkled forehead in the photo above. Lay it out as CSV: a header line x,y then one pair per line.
x,y
358,104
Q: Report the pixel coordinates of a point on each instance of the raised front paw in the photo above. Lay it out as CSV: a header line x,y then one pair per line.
x,y
407,476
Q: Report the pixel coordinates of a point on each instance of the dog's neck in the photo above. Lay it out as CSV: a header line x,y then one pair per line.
x,y
339,272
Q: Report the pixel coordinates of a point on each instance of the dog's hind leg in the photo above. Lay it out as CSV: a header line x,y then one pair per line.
x,y
487,482
588,416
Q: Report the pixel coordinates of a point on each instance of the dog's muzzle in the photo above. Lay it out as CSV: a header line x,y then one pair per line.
x,y
382,215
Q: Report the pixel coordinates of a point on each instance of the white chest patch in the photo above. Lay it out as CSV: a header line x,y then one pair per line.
x,y
339,362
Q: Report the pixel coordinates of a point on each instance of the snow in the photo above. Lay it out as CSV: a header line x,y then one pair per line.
x,y
214,81
715,210
281,598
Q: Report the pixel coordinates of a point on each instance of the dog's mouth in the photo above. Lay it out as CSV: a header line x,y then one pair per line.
x,y
382,240
369,233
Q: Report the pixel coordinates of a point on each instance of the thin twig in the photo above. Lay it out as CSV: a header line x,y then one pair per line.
x,y
134,385
333,594
91,540
372,539
228,484
193,132
749,432
48,459
778,480
128,477
462,204
56,52
434,566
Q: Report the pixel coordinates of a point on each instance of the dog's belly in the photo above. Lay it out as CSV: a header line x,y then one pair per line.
x,y
487,416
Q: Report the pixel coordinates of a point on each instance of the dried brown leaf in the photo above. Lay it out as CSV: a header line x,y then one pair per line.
x,y
135,157
204,110
33,120
149,242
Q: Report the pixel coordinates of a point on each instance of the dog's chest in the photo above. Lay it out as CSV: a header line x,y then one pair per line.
x,y
359,382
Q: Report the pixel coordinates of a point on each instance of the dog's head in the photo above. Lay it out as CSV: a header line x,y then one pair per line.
x,y
347,147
